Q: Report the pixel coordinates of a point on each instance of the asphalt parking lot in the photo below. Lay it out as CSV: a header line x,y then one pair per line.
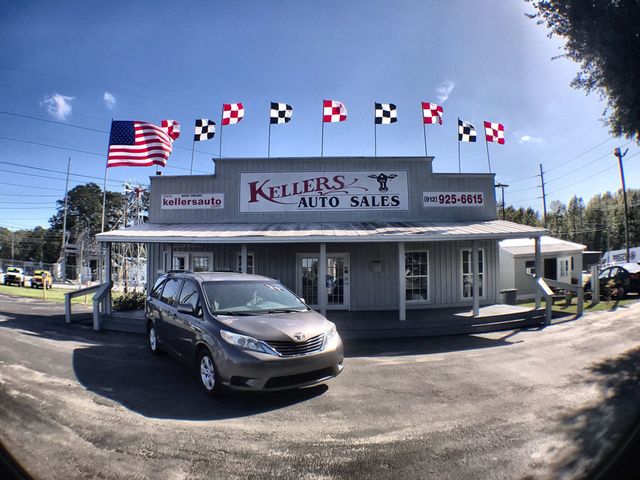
x,y
541,403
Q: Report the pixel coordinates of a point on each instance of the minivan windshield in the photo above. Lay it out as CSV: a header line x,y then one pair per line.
x,y
251,297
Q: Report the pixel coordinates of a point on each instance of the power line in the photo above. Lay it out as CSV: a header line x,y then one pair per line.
x,y
580,155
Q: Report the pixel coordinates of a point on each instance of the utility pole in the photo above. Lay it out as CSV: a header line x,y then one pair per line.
x,y
618,153
502,186
63,254
12,232
544,199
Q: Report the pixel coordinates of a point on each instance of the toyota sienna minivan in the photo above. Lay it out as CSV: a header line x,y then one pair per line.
x,y
244,332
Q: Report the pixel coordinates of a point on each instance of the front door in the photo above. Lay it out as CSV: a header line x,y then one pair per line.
x,y
337,280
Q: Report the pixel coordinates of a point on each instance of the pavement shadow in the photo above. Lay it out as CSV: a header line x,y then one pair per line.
x,y
424,345
599,430
163,387
118,367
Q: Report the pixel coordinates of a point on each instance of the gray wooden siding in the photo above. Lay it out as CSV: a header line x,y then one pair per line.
x,y
227,181
369,290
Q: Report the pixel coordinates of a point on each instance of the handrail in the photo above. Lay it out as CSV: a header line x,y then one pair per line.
x,y
101,299
75,293
547,293
578,289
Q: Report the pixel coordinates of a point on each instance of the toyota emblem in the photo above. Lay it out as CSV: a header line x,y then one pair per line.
x,y
299,336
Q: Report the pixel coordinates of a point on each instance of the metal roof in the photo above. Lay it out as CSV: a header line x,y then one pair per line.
x,y
549,245
320,232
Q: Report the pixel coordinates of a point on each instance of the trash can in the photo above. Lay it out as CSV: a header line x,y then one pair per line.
x,y
508,296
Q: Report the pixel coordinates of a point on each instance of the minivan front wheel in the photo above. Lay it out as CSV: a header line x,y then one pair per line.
x,y
207,370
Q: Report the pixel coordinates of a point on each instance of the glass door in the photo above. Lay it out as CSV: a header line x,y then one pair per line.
x,y
337,280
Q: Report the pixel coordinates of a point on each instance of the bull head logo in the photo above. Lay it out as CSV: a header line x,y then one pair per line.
x,y
382,179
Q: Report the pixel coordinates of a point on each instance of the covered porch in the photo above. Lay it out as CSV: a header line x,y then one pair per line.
x,y
393,241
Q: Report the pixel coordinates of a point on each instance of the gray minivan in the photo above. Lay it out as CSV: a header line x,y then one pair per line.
x,y
244,332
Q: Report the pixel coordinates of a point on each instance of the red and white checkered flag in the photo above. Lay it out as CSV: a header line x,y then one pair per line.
x,y
333,111
494,132
431,113
172,127
232,113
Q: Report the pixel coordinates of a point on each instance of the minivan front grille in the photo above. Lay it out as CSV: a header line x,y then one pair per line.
x,y
290,349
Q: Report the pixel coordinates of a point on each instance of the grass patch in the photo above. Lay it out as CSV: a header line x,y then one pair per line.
x,y
54,294
609,306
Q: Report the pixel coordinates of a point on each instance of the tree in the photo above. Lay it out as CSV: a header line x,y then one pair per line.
x,y
84,211
602,36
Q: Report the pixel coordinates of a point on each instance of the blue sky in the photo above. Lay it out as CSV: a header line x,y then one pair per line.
x,y
84,63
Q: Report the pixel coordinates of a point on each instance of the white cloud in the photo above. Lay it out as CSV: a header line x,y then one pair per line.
x,y
58,105
444,90
530,139
109,100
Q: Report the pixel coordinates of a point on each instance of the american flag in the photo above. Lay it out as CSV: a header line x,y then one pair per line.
x,y
140,144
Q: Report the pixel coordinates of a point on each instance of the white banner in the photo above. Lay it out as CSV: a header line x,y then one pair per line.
x,y
452,199
203,201
325,191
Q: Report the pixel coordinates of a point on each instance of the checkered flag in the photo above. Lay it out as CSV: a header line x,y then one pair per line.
x,y
494,132
205,130
333,111
466,132
431,113
386,113
280,113
232,113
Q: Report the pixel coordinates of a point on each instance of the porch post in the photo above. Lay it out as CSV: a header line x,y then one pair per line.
x,y
476,278
243,258
322,279
107,274
538,266
402,283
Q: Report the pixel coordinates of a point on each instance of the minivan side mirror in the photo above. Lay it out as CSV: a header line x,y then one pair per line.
x,y
186,308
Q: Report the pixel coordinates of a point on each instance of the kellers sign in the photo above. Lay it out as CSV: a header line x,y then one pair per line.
x,y
326,191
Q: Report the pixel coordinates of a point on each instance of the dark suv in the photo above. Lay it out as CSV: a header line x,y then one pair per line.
x,y
241,331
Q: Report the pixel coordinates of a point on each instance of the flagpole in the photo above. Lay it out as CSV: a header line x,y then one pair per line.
x,y
322,137
488,158
269,147
375,138
221,125
104,188
424,131
459,165
193,149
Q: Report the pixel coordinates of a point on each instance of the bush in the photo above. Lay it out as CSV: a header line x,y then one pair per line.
x,y
129,301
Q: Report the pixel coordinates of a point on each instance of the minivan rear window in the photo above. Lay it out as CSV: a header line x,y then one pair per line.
x,y
170,290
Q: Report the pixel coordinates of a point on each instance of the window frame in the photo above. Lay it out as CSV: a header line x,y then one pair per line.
x,y
481,274
192,256
253,263
186,281
428,276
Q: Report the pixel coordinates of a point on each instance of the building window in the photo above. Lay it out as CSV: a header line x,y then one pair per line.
x,y
467,273
309,286
250,263
180,261
530,267
416,267
202,262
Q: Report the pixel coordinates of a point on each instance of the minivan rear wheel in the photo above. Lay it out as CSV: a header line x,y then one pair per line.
x,y
207,373
152,339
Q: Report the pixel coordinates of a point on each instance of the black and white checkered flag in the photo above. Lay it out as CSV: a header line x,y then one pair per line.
x,y
205,130
280,112
386,113
466,132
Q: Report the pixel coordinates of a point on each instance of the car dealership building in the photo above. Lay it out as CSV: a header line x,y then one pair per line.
x,y
348,233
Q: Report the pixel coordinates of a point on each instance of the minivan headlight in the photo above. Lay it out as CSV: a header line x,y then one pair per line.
x,y
331,330
242,342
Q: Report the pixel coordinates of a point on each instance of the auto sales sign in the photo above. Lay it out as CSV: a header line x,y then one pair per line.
x,y
325,191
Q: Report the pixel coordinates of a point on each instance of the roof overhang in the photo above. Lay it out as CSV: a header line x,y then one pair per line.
x,y
354,232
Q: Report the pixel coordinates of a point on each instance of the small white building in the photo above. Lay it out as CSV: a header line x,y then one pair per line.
x,y
561,260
